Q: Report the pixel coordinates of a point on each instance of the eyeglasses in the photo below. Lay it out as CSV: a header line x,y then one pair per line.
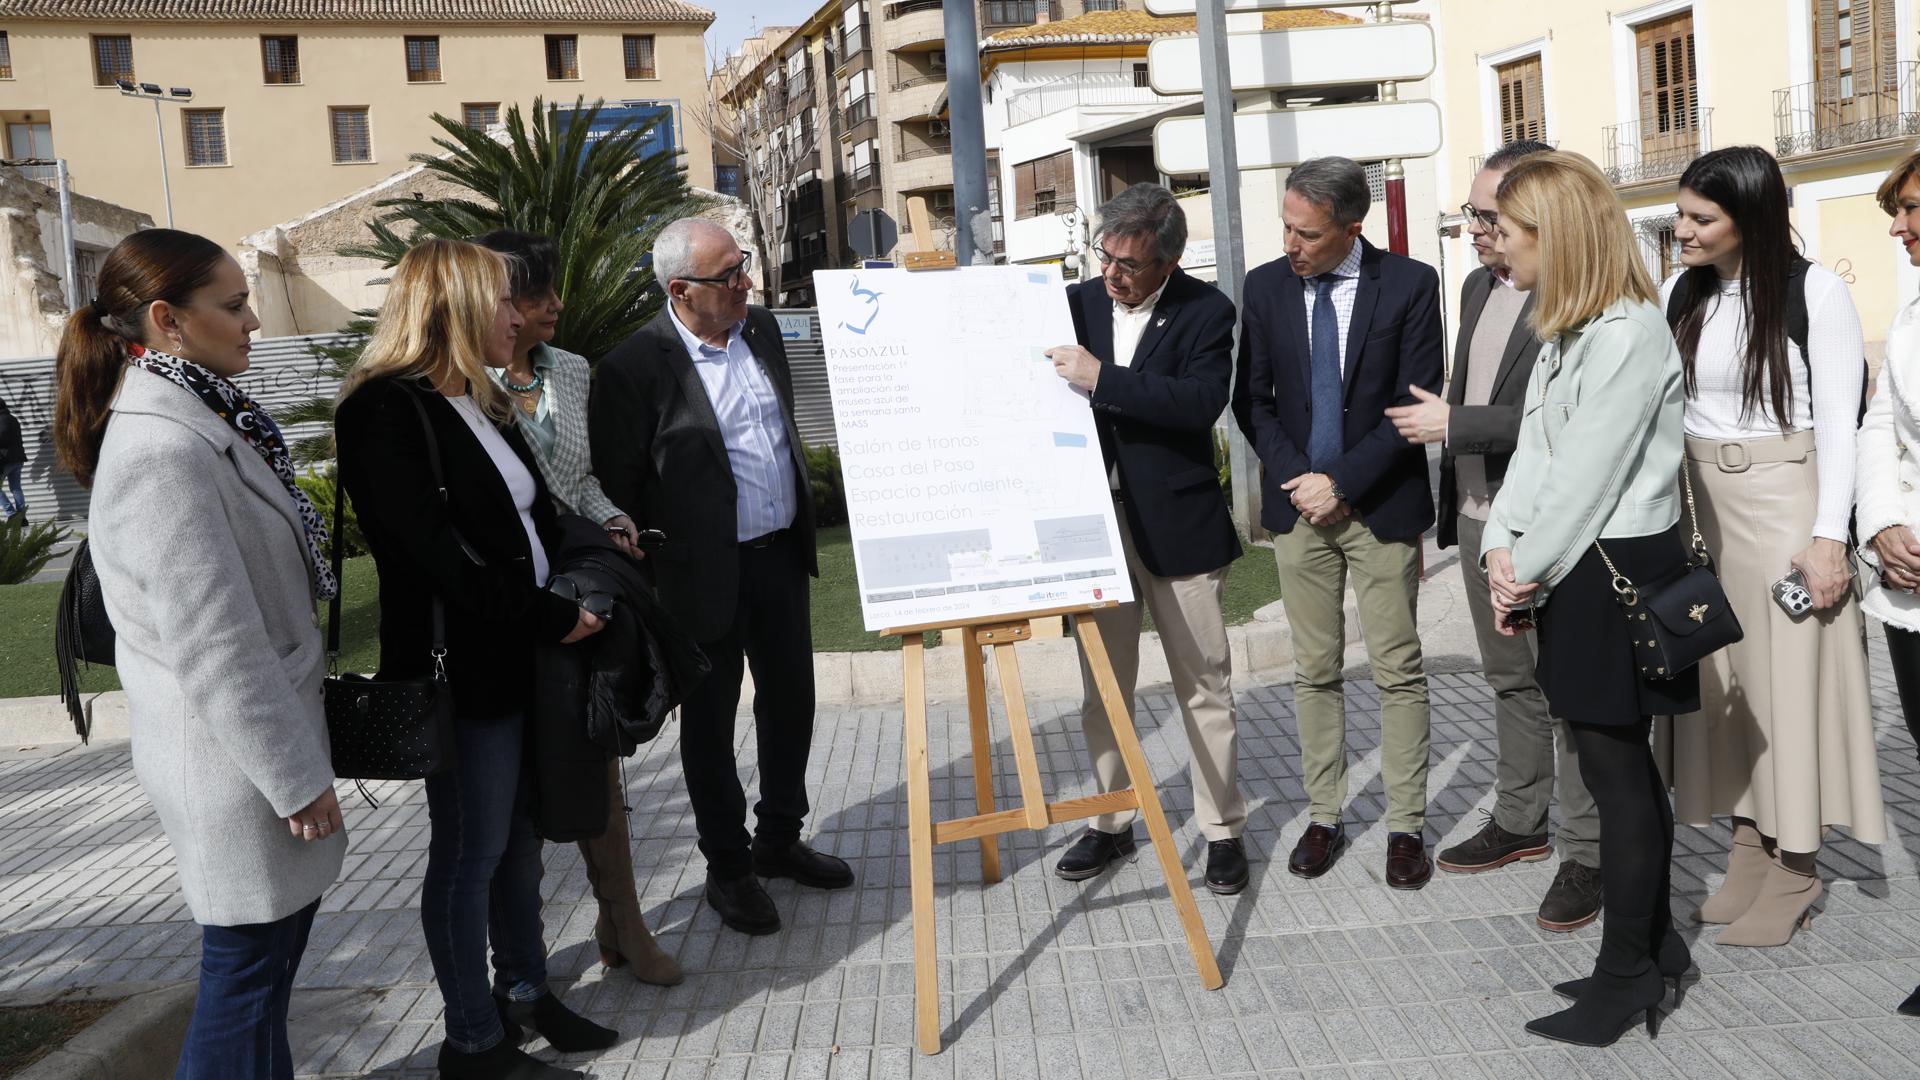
x,y
1487,219
735,276
1128,267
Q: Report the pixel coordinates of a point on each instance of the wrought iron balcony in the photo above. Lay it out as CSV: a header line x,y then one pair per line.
x,y
1862,106
903,7
1637,152
928,148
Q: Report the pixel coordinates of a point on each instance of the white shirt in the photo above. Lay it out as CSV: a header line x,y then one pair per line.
x,y
1344,293
1831,410
520,485
1130,324
751,426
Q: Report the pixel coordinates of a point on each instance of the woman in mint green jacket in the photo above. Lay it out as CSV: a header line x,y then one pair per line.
x,y
1597,467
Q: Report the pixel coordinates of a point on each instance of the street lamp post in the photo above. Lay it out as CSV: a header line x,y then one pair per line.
x,y
179,95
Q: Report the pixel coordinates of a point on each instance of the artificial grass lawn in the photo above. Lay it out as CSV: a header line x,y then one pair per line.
x,y
26,617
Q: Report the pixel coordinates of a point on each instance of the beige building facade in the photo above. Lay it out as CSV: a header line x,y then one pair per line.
x,y
296,105
1827,86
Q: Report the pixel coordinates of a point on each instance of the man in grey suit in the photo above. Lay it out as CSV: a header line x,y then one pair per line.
x,y
1479,423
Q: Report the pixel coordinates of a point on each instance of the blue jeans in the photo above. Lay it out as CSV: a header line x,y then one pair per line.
x,y
482,882
11,474
239,1025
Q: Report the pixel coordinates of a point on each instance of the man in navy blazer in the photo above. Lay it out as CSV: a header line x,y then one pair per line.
x,y
1334,334
1155,360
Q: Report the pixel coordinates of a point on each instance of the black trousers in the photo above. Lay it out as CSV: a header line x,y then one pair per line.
x,y
771,634
1903,648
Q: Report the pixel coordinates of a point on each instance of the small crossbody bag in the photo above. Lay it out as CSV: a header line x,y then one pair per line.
x,y
1680,618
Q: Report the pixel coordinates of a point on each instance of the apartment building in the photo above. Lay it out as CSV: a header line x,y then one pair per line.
x,y
1827,86
297,104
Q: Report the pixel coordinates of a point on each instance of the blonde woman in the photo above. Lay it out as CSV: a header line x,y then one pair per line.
x,y
478,547
1597,466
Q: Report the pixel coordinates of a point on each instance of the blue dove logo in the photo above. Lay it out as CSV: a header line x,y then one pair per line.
x,y
870,305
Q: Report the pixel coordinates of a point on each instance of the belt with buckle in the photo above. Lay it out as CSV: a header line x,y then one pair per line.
x,y
764,540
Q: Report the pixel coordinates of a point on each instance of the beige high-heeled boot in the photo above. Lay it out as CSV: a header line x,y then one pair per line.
x,y
626,942
1747,867
1784,904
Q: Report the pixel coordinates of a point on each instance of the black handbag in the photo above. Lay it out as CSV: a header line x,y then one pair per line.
x,y
1679,619
387,729
82,634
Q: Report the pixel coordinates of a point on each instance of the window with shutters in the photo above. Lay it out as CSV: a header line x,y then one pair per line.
x,y
1043,186
1669,102
1856,70
563,56
423,59
112,59
638,50
480,115
352,132
206,139
6,56
1523,110
279,59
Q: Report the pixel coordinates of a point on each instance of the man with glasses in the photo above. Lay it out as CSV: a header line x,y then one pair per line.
x,y
1479,423
1154,359
691,421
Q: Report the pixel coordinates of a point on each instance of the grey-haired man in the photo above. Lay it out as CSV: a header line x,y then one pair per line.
x,y
1155,359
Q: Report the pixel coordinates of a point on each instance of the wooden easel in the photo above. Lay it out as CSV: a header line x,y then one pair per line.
x,y
1002,633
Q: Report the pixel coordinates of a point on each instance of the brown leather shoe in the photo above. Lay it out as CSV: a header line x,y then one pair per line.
x,y
1318,848
1407,864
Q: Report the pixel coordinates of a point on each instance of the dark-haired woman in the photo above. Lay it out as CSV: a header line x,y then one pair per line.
x,y
549,391
209,562
1784,742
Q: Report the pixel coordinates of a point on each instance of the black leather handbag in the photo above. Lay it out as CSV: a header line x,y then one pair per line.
x,y
82,634
388,729
1680,619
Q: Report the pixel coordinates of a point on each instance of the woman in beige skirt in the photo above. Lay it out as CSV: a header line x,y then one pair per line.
x,y
1784,740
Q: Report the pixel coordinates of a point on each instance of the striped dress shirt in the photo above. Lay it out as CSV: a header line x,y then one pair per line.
x,y
751,426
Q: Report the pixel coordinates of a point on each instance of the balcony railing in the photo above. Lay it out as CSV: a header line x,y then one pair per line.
x,y
1475,162
1017,12
930,148
1637,151
860,110
904,7
863,179
1863,106
47,173
1102,88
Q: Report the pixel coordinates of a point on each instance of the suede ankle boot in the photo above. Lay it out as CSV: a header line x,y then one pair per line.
x,y
1670,955
1625,985
1784,904
1746,868
565,1030
625,942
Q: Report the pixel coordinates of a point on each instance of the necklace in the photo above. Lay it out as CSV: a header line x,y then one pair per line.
x,y
539,380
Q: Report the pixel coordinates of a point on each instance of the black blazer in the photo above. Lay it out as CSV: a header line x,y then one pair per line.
x,y
1393,341
1491,430
1155,419
495,614
658,454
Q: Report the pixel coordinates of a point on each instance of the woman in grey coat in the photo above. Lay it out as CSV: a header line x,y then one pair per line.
x,y
209,563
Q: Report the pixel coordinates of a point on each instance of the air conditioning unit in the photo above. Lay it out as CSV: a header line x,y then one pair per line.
x,y
937,59
939,127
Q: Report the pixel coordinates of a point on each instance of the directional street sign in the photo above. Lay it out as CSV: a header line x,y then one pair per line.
x,y
1186,7
1370,132
1310,56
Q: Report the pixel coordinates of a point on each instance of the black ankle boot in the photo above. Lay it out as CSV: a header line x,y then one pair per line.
x,y
565,1030
1625,985
1911,1006
1670,956
501,1061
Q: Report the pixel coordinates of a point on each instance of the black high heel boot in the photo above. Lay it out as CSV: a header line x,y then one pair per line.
x,y
1670,955
1625,985
1911,1006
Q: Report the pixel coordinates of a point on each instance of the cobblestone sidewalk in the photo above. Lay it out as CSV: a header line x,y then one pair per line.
x,y
1338,977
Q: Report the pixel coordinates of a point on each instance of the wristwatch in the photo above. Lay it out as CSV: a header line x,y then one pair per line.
x,y
1335,485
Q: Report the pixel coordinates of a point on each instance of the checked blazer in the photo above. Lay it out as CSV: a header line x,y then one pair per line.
x,y
568,470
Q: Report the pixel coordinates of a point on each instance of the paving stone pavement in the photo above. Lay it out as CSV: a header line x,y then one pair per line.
x,y
1338,977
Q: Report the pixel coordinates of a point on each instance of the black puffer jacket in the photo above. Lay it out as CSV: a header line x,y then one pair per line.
x,y
609,695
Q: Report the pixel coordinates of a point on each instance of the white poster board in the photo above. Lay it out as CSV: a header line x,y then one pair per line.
x,y
974,481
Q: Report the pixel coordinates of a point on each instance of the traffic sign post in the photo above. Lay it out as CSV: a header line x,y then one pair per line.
x,y
873,233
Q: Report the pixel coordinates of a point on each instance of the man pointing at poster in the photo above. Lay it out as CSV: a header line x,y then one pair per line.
x,y
1155,357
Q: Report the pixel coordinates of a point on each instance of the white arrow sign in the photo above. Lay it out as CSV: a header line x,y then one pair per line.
x,y
1186,7
1309,56
1371,132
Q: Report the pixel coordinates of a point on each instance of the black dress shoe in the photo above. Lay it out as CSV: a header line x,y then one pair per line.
x,y
743,904
565,1030
1226,866
801,863
1493,847
1319,846
501,1061
1572,901
1407,864
1090,855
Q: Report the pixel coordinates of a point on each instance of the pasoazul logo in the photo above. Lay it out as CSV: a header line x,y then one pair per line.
x,y
867,304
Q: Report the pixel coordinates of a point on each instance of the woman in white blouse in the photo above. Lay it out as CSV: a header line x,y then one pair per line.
x,y
1784,741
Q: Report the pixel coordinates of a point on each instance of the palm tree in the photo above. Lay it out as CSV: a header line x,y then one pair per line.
x,y
599,196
